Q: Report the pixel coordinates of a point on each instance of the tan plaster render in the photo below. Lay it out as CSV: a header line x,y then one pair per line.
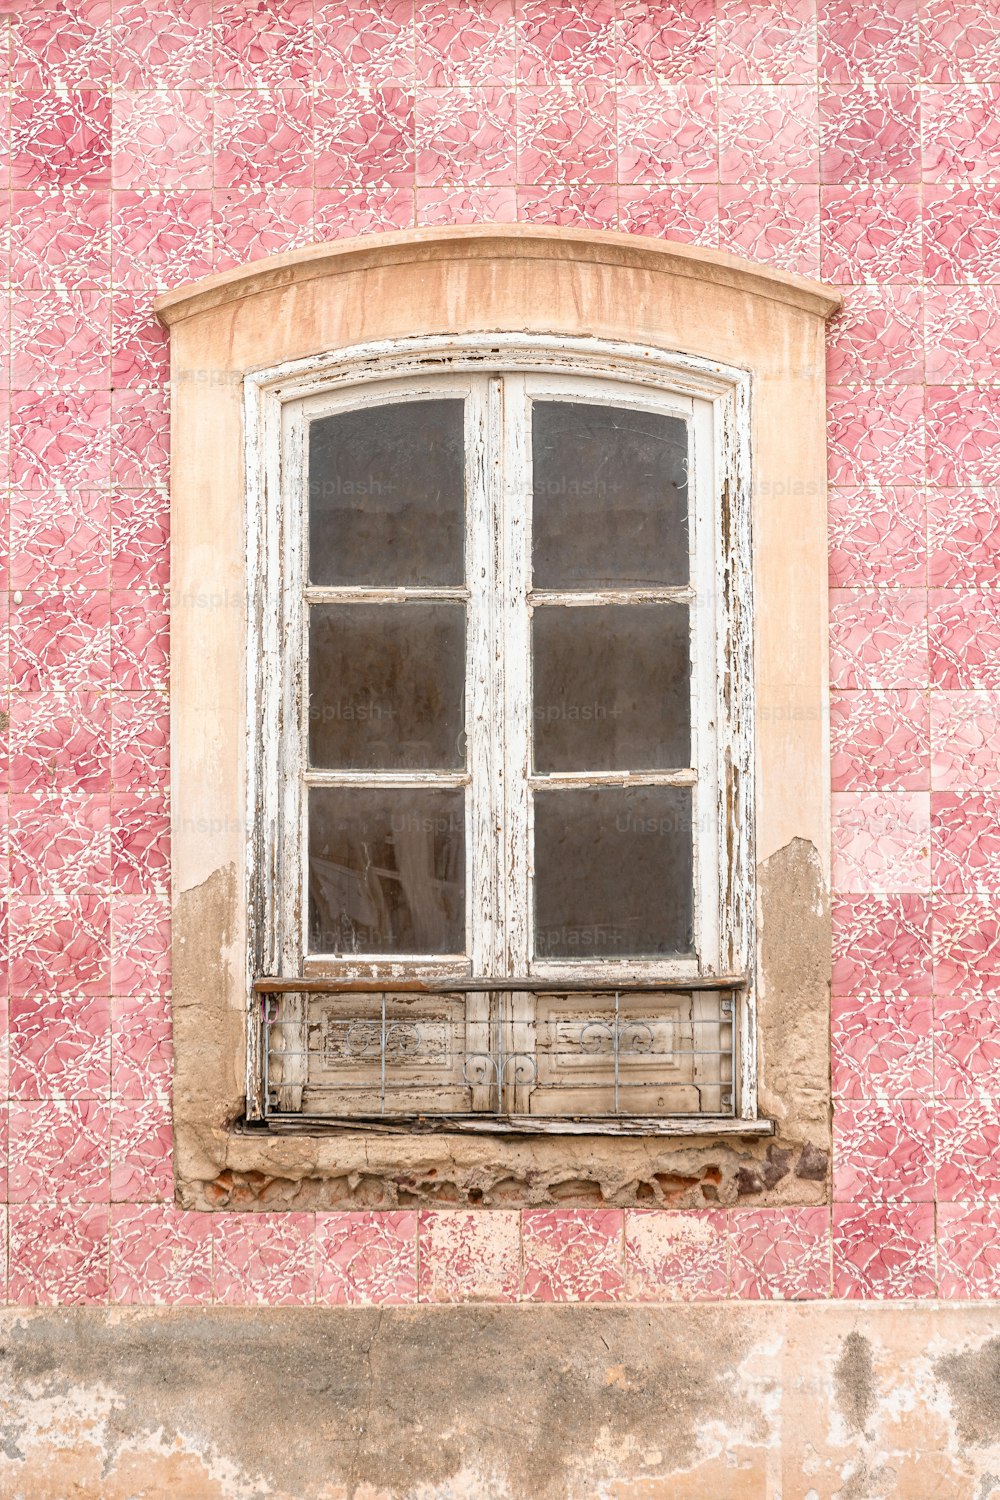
x,y
497,279
713,1402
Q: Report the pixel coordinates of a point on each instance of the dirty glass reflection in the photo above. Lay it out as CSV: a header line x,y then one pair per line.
x,y
387,686
610,497
613,872
611,688
386,870
387,495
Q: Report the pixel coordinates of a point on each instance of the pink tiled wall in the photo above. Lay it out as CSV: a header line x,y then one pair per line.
x,y
153,141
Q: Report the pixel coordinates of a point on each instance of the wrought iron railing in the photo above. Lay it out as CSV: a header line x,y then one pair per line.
x,y
519,1053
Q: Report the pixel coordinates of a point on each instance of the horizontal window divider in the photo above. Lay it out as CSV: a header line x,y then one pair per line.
x,y
679,1125
594,597
535,984
315,594
401,779
557,779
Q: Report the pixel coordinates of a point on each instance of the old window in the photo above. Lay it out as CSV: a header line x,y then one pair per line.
x,y
380,996
511,615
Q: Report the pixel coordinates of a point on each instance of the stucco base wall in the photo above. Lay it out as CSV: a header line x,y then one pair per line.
x,y
711,1402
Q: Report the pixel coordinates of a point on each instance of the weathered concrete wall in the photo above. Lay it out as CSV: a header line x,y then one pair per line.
x,y
786,1402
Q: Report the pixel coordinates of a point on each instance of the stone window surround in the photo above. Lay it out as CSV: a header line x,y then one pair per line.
x,y
620,289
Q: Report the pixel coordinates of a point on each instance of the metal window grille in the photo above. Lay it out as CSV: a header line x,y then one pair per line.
x,y
521,1054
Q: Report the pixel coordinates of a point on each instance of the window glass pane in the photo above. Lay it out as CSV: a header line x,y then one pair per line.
x,y
387,686
610,497
613,872
386,870
611,688
387,495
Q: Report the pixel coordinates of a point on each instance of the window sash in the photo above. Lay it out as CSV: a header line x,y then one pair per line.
x,y
498,782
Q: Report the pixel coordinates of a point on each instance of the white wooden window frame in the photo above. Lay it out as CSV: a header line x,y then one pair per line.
x,y
715,401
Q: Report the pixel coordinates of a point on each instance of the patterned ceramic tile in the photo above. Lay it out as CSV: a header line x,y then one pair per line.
x,y
676,1257
767,41
363,43
878,335
877,536
876,435
777,225
162,139
870,133
967,1150
966,1047
140,740
871,233
59,1151
140,844
140,437
466,136
668,133
160,1255
64,331
963,435
60,139
159,240
574,203
60,1047
59,1255
780,1253
869,43
344,212
61,239
573,1256
878,639
966,738
140,540
566,135
263,1258
59,540
61,641
265,138
463,205
966,947
365,138
882,944
963,538
60,944
964,639
770,132
366,1258
139,642
665,42
469,1256
248,224
142,1168
141,1048
161,43
469,43
883,1151
60,743
960,40
267,45
565,41
961,233
965,839
881,841
59,844
140,347
140,937
880,739
961,131
968,1251
687,213
882,1046
60,439
62,43
883,1250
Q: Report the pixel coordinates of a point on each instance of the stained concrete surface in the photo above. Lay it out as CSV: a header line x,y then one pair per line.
x,y
711,1402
